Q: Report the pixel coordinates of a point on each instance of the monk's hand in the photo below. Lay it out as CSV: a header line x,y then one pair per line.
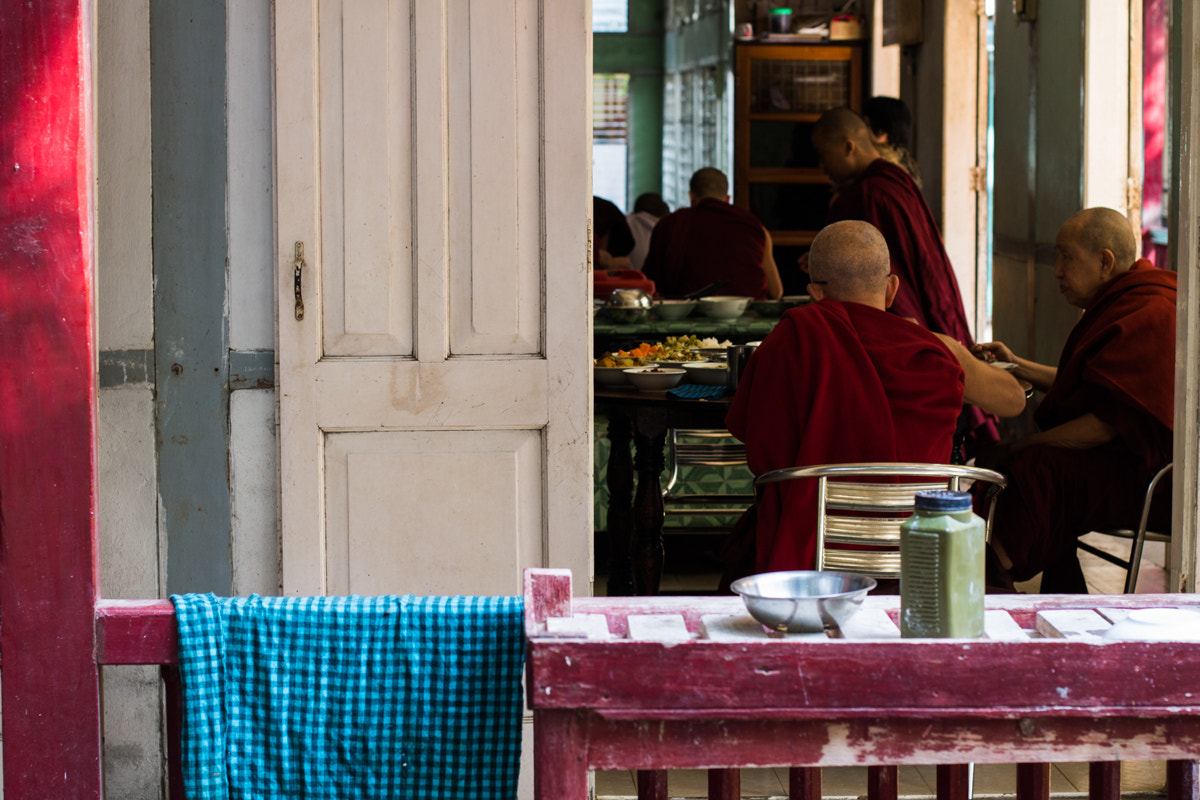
x,y
992,351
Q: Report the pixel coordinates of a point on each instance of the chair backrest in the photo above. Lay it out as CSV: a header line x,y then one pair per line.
x,y
858,521
701,447
728,487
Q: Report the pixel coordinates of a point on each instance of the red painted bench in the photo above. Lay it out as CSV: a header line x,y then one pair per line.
x,y
684,682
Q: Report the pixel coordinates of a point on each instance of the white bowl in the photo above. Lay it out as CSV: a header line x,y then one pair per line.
x,y
673,309
724,306
710,373
610,376
803,600
654,379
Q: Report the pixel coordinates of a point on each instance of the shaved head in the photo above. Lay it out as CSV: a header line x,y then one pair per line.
x,y
838,125
844,145
1097,229
850,260
709,182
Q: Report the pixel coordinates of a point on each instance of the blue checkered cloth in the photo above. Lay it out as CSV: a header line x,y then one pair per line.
x,y
698,391
351,698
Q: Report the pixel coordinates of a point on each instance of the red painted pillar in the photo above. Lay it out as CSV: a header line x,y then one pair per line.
x,y
48,556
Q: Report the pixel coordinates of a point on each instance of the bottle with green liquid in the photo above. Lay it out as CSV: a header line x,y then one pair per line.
x,y
942,568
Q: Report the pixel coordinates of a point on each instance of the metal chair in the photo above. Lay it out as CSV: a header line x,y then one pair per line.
x,y
702,447
858,522
1140,535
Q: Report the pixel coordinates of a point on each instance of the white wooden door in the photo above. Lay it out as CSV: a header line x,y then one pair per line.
x,y
434,398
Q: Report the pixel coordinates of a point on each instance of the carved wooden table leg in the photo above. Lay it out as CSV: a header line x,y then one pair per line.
x,y
619,479
649,437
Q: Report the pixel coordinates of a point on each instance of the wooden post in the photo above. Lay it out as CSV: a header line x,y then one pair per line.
x,y
48,554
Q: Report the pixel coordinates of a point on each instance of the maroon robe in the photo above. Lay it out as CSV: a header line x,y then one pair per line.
x,y
708,242
837,383
885,196
1119,364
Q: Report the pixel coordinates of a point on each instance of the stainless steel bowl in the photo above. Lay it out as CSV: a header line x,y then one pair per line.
x,y
803,601
629,298
625,315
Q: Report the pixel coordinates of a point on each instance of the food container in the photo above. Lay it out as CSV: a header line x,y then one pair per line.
x,y
723,306
942,568
803,601
781,20
673,309
709,373
654,379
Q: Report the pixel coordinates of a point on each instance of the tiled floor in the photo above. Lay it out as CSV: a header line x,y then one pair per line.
x,y
990,780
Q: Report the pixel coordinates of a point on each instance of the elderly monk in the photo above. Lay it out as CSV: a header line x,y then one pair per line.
x,y
712,241
1107,418
838,380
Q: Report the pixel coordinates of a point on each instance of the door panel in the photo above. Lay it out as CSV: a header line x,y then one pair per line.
x,y
495,290
365,180
435,397
455,541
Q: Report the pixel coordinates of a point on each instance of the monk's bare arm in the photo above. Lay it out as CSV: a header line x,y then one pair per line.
x,y
1040,375
774,284
989,388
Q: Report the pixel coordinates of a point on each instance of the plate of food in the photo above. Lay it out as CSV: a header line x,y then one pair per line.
x,y
1007,366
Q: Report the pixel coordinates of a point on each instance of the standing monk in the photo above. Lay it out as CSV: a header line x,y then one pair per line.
x,y
1108,415
877,191
712,241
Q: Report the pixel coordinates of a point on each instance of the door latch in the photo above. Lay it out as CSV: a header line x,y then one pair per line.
x,y
297,273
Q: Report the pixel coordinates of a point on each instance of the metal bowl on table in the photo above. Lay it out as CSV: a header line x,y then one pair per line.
x,y
626,306
803,601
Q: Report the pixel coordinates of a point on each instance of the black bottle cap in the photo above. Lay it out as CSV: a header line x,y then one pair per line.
x,y
943,500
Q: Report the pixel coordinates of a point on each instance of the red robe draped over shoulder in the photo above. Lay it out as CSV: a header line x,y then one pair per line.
x,y
1119,364
708,242
885,196
837,383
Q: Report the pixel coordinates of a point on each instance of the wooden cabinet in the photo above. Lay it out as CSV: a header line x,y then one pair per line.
x,y
781,91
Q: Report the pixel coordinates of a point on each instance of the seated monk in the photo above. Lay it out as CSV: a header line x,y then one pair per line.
x,y
841,380
1108,415
877,191
712,241
612,240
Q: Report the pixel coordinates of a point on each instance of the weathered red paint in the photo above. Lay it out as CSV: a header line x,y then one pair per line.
x,y
136,632
48,558
702,704
805,679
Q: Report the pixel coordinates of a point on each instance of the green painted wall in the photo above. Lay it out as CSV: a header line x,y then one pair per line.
x,y
639,52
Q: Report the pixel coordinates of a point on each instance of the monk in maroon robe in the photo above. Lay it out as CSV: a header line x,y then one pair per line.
x,y
712,241
1108,415
873,189
839,380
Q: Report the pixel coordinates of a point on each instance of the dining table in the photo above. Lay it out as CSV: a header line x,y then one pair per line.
x,y
612,336
635,505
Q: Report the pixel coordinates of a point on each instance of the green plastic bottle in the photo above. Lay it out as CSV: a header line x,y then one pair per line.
x,y
942,568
